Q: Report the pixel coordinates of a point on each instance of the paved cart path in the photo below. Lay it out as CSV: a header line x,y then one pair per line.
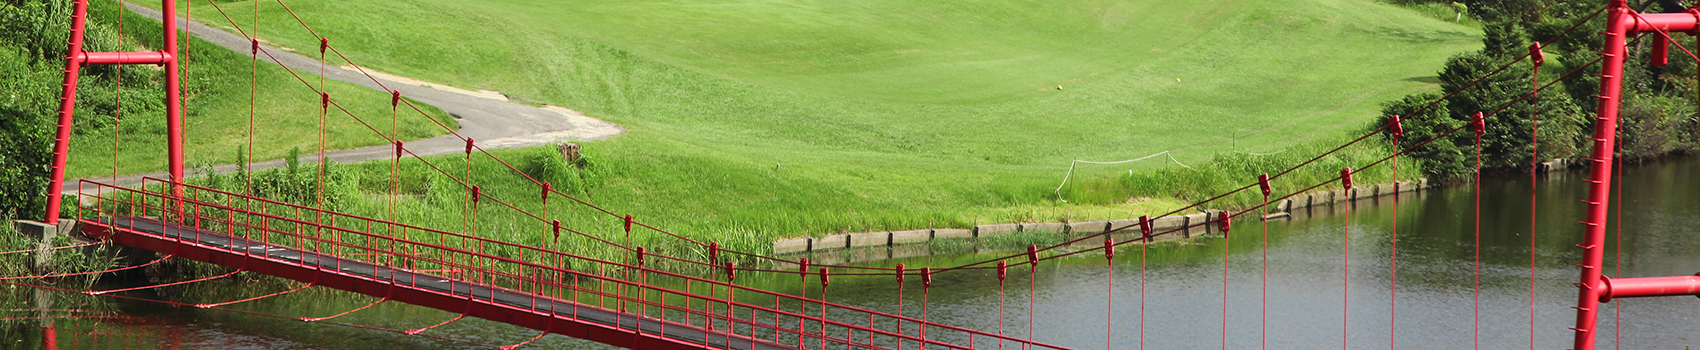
x,y
493,121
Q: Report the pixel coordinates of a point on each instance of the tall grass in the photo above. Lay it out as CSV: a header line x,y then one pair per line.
x,y
1231,171
11,240
59,261
760,206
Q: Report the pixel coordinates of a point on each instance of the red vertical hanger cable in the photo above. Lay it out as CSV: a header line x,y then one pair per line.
x,y
1478,125
1617,257
1263,323
253,98
1145,237
1110,296
1346,263
1534,175
1393,252
118,94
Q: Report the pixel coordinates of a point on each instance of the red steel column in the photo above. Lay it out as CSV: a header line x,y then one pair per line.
x,y
67,104
1618,21
1649,287
173,105
49,337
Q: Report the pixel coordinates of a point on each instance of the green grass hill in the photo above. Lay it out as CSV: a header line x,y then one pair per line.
x,y
756,119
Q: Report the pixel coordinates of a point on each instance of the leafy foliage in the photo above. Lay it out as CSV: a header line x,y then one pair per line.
x,y
32,46
1443,157
1657,116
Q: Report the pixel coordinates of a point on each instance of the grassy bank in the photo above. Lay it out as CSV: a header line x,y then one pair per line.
x,y
749,207
751,121
61,261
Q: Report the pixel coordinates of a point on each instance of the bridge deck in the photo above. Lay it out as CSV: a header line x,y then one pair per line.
x,y
448,294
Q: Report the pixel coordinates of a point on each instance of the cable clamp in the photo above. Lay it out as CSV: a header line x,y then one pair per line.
x,y
1346,178
1227,222
731,270
1535,55
1145,227
1003,269
1263,183
1109,249
1397,126
1033,255
1478,123
557,224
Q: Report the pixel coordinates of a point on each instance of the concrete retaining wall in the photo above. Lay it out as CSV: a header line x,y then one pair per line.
x,y
1052,227
994,230
948,233
833,242
1193,224
1090,227
869,239
911,236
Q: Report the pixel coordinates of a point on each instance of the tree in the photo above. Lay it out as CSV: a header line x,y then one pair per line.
x,y
32,43
1505,98
1440,159
24,159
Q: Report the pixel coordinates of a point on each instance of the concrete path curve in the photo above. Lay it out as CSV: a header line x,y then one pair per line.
x,y
494,123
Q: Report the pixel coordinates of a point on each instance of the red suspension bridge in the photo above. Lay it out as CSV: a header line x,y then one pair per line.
x,y
660,301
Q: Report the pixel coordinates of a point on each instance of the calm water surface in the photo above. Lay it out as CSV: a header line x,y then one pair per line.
x,y
1183,286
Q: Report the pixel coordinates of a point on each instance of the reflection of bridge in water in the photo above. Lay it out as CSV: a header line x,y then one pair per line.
x,y
641,302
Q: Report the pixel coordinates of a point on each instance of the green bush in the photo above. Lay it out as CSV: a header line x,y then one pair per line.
x,y
32,47
570,177
1511,115
1654,125
1441,159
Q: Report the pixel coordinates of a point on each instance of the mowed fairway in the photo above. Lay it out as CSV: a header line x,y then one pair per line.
x,y
784,118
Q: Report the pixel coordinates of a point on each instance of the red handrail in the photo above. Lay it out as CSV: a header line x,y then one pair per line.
x,y
494,274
